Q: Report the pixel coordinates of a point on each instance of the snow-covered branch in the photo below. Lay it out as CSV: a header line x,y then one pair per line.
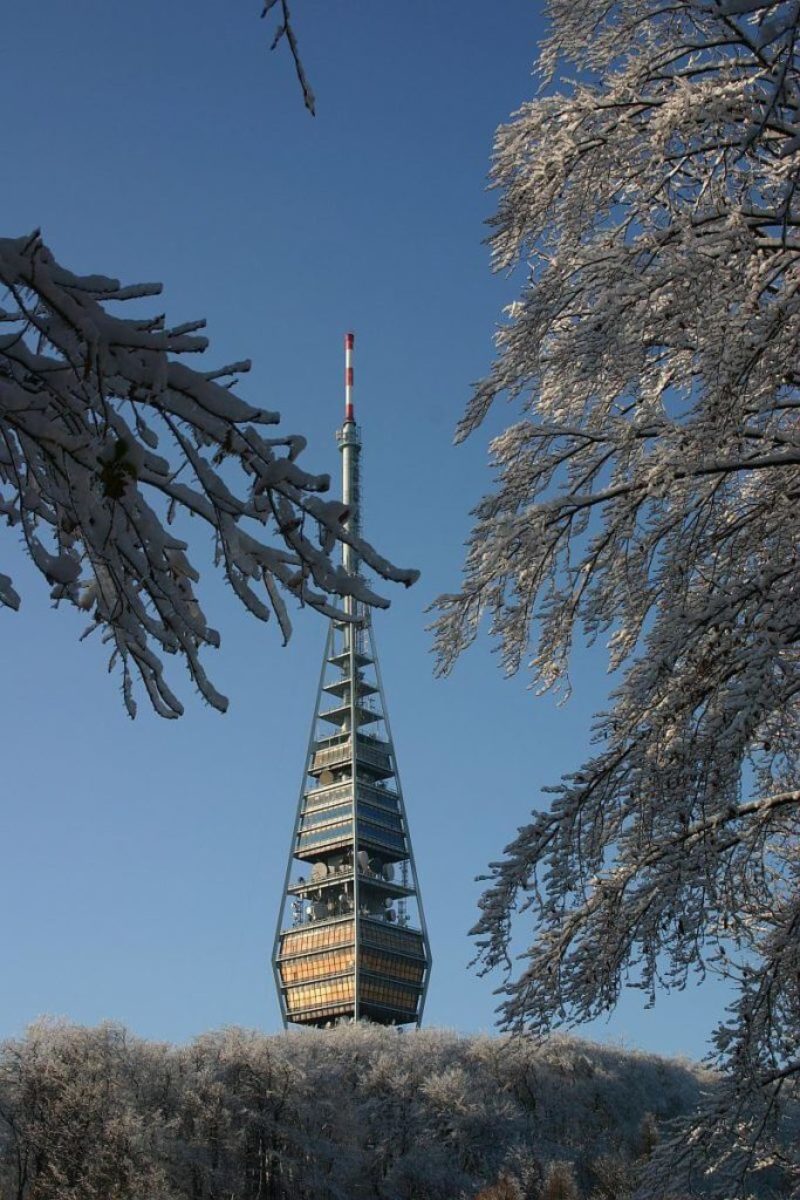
x,y
106,436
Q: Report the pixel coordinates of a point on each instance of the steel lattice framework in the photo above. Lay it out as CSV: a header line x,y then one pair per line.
x,y
351,941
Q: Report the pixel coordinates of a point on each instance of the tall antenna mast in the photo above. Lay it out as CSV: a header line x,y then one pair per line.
x,y
350,446
349,342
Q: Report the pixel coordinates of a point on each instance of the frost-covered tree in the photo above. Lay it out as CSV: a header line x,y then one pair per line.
x,y
650,494
358,1112
69,1126
107,436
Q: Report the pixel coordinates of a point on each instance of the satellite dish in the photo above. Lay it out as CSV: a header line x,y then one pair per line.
x,y
388,872
363,860
319,871
388,902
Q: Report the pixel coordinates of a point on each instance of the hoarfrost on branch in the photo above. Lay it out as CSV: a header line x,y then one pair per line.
x,y
650,494
357,1112
106,434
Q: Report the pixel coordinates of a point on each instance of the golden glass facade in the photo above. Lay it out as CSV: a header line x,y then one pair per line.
x,y
320,995
304,1001
318,966
317,970
309,938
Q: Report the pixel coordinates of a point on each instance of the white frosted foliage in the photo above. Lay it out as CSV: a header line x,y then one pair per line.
x,y
356,1112
106,434
649,494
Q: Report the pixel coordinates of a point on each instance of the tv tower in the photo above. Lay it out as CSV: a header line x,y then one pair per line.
x,y
351,941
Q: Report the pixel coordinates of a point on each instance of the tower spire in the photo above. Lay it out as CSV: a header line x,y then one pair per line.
x,y
349,341
349,440
351,940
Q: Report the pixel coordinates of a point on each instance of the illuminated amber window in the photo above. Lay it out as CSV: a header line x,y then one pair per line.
x,y
314,966
320,995
317,937
316,1016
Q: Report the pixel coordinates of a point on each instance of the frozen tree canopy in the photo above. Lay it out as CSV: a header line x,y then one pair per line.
x,y
358,1112
650,495
107,435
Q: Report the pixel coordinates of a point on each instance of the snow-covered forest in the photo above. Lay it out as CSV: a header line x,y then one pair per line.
x,y
353,1113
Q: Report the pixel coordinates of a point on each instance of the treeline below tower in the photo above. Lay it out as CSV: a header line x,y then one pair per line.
x,y
359,1111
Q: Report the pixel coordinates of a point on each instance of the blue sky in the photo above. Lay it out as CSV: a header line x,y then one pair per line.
x,y
142,862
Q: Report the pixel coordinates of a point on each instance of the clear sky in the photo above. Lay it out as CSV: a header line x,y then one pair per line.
x,y
142,862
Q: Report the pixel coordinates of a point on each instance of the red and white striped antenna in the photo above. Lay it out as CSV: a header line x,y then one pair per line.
x,y
349,339
350,446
